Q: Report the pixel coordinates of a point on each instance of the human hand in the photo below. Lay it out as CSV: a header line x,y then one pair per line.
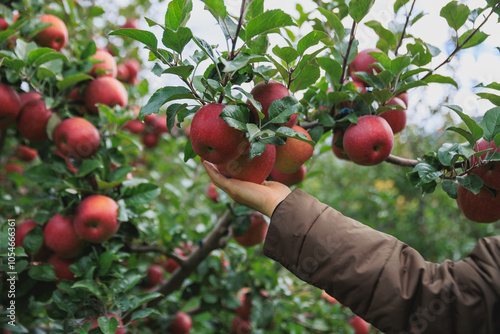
x,y
260,197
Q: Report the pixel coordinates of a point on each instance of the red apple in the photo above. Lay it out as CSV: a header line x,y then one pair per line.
x,y
3,24
489,173
150,140
131,23
21,230
156,124
338,139
255,170
119,330
294,153
133,66
266,94
122,73
60,236
156,275
369,142
396,118
481,208
32,121
181,325
105,67
171,265
134,126
105,90
359,325
328,298
240,326
29,96
61,267
96,218
245,309
77,138
289,179
212,192
404,97
363,62
14,168
26,153
11,106
256,232
213,139
55,36
75,95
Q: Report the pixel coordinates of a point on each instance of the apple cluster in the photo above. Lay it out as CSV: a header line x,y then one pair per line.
x,y
229,149
151,130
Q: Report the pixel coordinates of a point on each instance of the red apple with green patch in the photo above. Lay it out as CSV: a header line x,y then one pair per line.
x,y
294,153
363,62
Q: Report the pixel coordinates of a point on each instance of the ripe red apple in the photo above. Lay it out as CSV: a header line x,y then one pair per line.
x,y
26,153
21,230
96,218
156,275
256,232
404,97
75,95
396,118
11,105
61,267
328,298
359,325
294,153
181,325
338,138
55,36
156,124
77,138
119,329
105,90
213,139
171,265
3,24
212,192
131,23
489,173
133,66
105,67
122,72
14,168
369,142
481,208
289,179
266,94
32,121
150,140
240,326
60,236
29,96
134,126
245,309
363,62
255,170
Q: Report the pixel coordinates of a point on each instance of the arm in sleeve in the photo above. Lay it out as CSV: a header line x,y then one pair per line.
x,y
380,278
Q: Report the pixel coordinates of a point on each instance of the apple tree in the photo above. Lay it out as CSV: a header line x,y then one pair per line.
x,y
109,222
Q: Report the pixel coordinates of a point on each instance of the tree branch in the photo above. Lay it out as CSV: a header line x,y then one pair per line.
x,y
403,162
404,29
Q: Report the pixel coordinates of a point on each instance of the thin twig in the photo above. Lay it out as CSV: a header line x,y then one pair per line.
x,y
404,29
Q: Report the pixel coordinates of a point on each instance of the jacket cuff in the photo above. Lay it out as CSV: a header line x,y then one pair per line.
x,y
298,212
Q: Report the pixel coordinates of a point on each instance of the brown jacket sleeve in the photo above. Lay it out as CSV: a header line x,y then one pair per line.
x,y
380,278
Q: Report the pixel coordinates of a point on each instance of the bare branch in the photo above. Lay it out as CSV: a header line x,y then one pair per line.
x,y
403,162
404,29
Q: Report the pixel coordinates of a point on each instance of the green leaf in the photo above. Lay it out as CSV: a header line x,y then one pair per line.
x,y
456,14
474,128
476,39
471,182
236,116
172,111
495,99
89,286
448,154
105,261
398,4
491,124
307,76
43,175
359,8
178,14
182,71
450,188
440,79
164,95
176,40
188,151
410,85
426,173
334,21
383,33
287,132
242,60
216,7
464,133
43,272
33,240
107,325
40,56
309,40
4,35
140,194
420,53
87,167
280,111
72,80
267,22
256,149
331,67
410,73
399,64
205,47
144,313
286,53
143,36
